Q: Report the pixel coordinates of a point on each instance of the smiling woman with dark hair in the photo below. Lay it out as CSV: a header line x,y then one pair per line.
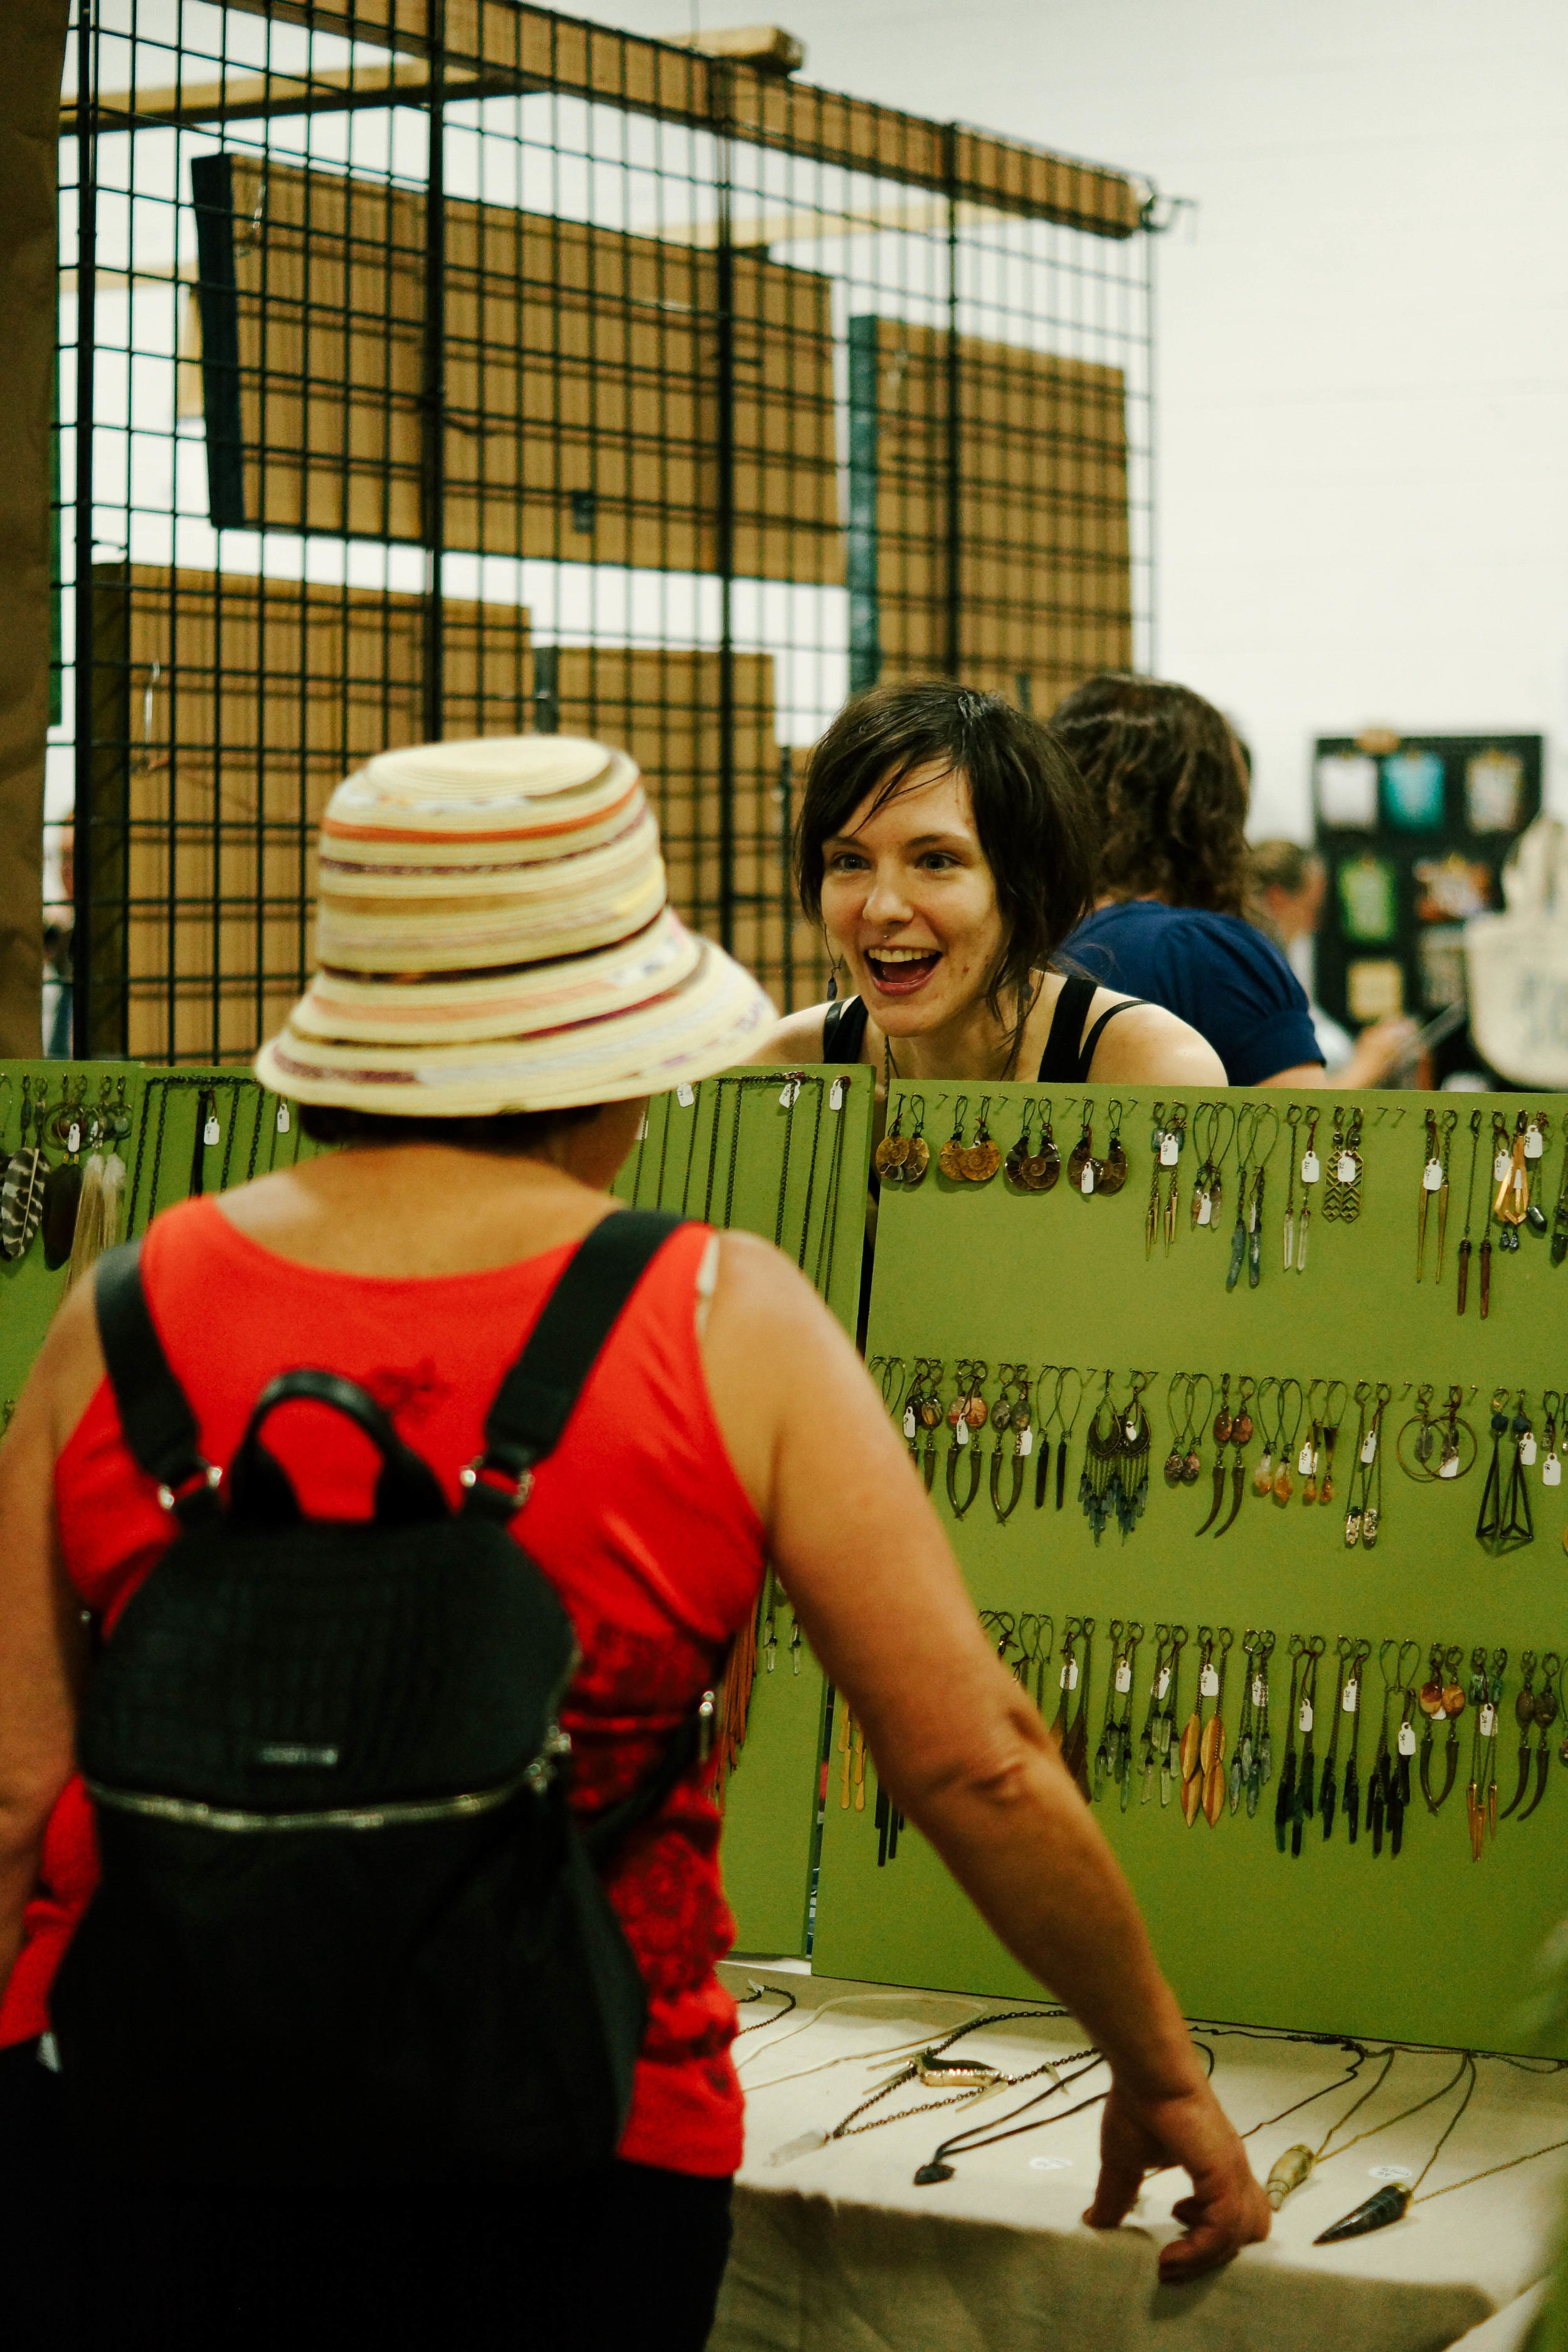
x,y
946,844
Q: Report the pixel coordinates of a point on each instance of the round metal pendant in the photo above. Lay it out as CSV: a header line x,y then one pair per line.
x,y
1041,1170
1175,1468
1114,1175
1190,1470
1241,1429
981,1160
975,1413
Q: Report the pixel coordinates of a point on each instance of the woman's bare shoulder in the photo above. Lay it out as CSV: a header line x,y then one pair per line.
x,y
798,1038
1148,1046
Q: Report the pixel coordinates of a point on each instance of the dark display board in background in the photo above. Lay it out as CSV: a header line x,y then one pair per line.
x,y
1430,1945
1414,838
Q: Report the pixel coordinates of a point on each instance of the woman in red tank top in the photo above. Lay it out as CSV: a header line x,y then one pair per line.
x,y
486,1104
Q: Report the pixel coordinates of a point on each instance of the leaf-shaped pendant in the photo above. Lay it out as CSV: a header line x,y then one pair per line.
x,y
1238,1252
1238,1777
1255,1257
1213,1793
1191,1798
1192,1740
22,1200
1211,1746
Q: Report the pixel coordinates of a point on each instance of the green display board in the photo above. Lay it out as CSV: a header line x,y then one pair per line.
x,y
783,1154
1431,1945
159,1154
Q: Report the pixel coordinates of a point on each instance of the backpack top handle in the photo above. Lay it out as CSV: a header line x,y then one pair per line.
x,y
260,1492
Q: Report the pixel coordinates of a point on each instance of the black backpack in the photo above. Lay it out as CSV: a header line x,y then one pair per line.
x,y
347,1930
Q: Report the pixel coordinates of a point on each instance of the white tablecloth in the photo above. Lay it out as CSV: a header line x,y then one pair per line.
x,y
836,2249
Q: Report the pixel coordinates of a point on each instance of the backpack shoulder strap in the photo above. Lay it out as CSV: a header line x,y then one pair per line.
x,y
535,1400
160,1428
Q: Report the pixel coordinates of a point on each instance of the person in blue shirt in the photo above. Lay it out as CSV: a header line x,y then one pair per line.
x,y
1169,923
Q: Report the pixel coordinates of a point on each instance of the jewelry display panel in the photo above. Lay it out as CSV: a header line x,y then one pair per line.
x,y
1249,1437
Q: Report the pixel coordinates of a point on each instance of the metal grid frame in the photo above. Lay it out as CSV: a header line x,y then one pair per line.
x,y
457,367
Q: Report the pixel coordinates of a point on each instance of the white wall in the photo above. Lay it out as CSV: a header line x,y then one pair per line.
x,y
1364,338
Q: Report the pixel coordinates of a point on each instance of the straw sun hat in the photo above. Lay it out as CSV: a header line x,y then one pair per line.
x,y
493,936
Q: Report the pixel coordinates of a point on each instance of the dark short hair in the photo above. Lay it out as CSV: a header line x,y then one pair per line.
x,y
1032,812
510,1130
1170,792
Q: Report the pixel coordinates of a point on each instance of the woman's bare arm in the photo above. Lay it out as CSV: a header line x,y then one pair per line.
x,y
956,1741
43,1639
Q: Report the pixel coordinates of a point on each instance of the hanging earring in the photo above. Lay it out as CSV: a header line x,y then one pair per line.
x,y
1240,1437
1167,1739
965,1415
1115,1171
1013,1166
1293,1118
1010,1413
1211,1746
1552,1463
949,1159
1170,1159
1546,1712
1245,1128
1263,1477
1333,1416
918,1158
1148,1745
1311,1170
1084,1170
1046,1415
1068,1427
1282,1487
1151,1216
981,1160
1042,1168
893,1151
1104,1754
1181,1431
1102,1458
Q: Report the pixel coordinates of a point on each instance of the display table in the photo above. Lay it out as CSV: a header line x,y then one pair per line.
x,y
836,2247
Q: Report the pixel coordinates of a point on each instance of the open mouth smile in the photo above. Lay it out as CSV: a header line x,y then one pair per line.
x,y
899,971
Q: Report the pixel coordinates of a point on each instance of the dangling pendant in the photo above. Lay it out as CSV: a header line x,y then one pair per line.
x,y
1283,1486
1390,2204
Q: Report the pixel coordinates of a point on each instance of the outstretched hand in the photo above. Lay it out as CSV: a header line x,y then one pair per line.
x,y
1227,2209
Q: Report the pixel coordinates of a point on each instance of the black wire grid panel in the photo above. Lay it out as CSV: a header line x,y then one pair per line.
x,y
465,368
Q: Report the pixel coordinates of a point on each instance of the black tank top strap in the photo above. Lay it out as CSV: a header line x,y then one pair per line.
x,y
1065,1062
844,1029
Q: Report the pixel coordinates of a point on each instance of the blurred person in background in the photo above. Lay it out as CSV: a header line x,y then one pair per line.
x,y
1291,885
1174,891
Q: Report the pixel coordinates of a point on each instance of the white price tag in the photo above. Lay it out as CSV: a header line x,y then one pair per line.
x,y
1551,1471
1169,1150
1162,1682
283,1122
1449,1467
1500,1168
1346,1169
1026,1443
73,1137
909,1423
641,1135
789,1094
1369,1446
1489,1721
685,1096
1067,1678
1208,1683
1407,1739
1086,1181
1307,1460
1311,1168
209,1132
836,1094
1124,1677
1305,1717
1389,2172
1526,1450
1206,1208
1256,1690
1350,1695
960,1433
1533,1144
1432,1176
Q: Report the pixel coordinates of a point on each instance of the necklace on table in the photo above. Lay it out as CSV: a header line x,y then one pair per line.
x,y
964,2082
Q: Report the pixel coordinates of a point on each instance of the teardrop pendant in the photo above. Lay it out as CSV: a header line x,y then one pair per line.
x,y
1390,2204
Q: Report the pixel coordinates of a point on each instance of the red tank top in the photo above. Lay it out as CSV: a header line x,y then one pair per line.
x,y
637,1519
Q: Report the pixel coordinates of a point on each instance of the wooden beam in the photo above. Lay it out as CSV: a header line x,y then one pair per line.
x,y
766,47
502,45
